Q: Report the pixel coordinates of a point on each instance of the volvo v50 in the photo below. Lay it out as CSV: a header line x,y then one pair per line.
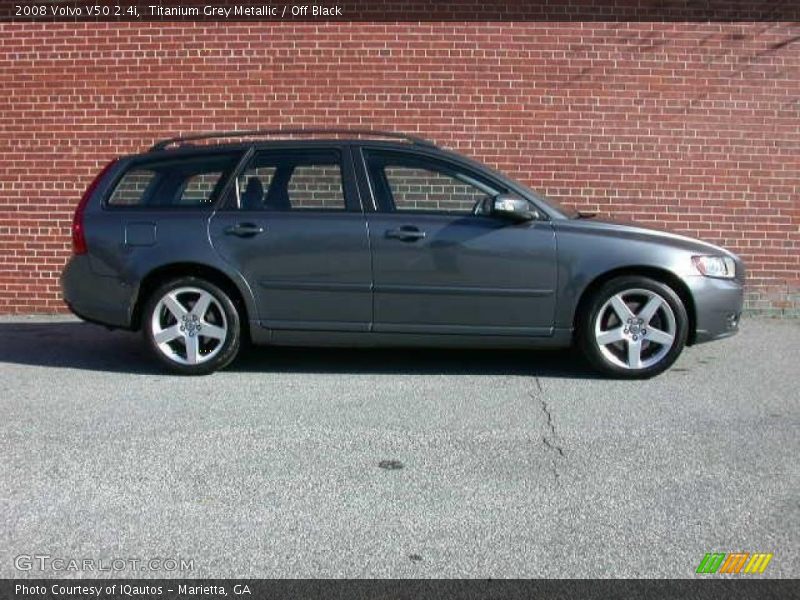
x,y
376,238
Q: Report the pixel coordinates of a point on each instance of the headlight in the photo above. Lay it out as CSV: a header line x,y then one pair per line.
x,y
722,267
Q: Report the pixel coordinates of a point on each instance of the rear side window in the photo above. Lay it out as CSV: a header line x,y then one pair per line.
x,y
179,183
292,181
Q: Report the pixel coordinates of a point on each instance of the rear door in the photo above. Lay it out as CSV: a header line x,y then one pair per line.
x,y
441,267
293,226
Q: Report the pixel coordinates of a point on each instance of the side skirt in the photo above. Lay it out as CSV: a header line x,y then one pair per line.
x,y
561,338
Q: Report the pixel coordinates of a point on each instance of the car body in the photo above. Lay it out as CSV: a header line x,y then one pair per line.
x,y
370,240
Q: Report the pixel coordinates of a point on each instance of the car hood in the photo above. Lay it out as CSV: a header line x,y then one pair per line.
x,y
635,231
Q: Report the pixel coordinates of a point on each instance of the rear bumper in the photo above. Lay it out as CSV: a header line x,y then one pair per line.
x,y
718,307
95,298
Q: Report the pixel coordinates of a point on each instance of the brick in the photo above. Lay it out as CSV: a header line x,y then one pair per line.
x,y
687,126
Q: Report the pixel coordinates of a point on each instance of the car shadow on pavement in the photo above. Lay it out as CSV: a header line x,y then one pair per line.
x,y
76,345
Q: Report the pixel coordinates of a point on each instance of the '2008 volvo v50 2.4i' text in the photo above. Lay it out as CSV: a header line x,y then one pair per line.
x,y
373,238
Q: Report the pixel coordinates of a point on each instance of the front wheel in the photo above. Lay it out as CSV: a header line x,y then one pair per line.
x,y
192,326
635,327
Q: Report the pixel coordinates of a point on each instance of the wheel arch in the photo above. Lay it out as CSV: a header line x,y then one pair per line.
x,y
164,273
662,275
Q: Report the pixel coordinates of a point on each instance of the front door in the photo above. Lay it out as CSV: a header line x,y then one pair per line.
x,y
296,231
440,266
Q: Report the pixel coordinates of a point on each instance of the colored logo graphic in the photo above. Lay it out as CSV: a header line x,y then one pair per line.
x,y
732,563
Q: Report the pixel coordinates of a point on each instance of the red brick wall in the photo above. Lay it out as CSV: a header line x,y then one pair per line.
x,y
690,126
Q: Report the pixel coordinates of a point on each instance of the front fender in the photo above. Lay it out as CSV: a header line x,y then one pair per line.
x,y
587,252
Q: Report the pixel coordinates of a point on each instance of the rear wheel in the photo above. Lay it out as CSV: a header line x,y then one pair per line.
x,y
635,327
192,326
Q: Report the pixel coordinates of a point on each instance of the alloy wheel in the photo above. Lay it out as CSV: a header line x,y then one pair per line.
x,y
189,326
635,329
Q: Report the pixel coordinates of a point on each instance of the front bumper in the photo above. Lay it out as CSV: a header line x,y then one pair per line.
x,y
718,307
96,298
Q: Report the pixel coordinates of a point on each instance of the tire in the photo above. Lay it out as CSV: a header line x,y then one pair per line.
x,y
187,338
646,345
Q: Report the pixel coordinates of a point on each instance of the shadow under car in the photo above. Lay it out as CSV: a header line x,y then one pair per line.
x,y
78,345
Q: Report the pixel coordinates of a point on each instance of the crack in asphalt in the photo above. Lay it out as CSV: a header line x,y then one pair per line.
x,y
550,443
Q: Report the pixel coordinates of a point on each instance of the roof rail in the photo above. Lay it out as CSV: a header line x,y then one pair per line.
x,y
163,144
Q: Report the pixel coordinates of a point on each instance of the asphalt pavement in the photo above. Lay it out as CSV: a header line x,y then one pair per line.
x,y
394,463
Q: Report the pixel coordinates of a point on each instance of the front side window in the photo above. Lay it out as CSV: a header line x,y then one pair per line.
x,y
406,183
179,183
292,181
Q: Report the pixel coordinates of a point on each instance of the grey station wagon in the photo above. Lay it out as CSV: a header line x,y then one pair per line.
x,y
352,238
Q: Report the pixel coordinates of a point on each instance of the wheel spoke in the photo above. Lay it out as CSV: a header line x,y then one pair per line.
x,y
609,337
659,337
212,331
649,309
623,312
174,306
634,354
168,334
192,349
201,306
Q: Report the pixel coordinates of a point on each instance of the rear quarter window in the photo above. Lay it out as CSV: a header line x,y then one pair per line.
x,y
177,183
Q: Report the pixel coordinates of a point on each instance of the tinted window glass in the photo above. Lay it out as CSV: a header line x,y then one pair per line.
x,y
198,189
408,183
316,186
422,189
181,183
252,185
131,188
292,181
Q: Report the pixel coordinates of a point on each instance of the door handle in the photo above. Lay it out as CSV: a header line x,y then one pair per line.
x,y
407,233
244,230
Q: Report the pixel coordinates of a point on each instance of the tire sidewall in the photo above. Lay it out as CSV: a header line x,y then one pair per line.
x,y
615,286
230,346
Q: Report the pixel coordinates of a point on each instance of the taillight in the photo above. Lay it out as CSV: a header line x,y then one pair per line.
x,y
78,234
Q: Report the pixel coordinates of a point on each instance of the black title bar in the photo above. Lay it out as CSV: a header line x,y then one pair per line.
x,y
399,10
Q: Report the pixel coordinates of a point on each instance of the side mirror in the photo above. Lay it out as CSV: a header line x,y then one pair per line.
x,y
513,208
